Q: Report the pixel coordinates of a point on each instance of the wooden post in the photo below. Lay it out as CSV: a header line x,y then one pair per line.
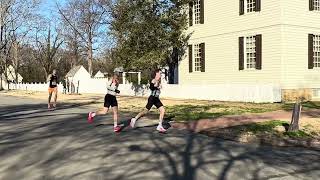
x,y
294,125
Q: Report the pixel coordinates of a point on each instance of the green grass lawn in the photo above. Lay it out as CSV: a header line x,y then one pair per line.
x,y
195,112
269,128
273,129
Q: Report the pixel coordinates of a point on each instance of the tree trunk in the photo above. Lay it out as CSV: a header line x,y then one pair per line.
x,y
74,60
6,75
1,88
172,66
16,61
171,73
294,125
46,74
90,56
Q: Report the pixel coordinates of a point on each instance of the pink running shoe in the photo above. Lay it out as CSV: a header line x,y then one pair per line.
x,y
90,118
161,129
117,129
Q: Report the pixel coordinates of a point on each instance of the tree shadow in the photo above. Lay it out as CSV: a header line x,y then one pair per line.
x,y
15,111
39,145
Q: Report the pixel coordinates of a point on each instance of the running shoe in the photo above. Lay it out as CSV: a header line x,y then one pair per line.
x,y
161,129
90,118
117,129
132,122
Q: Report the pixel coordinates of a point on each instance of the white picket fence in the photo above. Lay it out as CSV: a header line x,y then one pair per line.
x,y
34,86
221,92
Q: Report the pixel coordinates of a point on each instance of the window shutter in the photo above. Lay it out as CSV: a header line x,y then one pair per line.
x,y
311,6
258,5
203,57
241,53
310,51
241,7
191,13
190,58
259,51
201,11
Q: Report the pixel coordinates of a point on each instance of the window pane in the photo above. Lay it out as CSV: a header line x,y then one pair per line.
x,y
197,57
251,4
316,50
250,52
197,9
316,4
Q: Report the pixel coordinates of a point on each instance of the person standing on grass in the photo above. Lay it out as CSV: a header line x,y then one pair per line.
x,y
155,86
109,100
53,83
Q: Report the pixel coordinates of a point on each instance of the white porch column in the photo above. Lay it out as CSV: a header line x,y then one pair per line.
x,y
139,78
123,78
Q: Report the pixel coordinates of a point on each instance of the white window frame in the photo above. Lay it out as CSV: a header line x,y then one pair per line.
x,y
196,12
316,51
248,10
316,5
196,61
251,51
316,93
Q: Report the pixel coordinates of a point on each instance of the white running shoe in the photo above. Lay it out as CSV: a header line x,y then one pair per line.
x,y
132,122
161,129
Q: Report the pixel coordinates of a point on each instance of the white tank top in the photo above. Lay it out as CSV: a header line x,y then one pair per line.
x,y
111,87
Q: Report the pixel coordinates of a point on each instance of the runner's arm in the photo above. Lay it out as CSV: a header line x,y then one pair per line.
x,y
109,86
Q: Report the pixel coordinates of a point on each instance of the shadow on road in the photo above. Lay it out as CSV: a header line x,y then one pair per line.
x,y
61,145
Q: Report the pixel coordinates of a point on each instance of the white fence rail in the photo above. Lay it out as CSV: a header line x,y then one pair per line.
x,y
222,92
33,86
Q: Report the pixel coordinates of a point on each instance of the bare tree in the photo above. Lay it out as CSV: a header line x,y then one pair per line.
x,y
47,46
72,39
86,18
15,19
73,47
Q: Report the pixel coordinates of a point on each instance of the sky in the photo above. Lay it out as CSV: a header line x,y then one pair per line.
x,y
48,7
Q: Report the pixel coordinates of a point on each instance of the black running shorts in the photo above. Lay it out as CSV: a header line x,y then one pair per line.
x,y
110,100
152,100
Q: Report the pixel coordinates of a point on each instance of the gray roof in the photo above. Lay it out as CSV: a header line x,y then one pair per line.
x,y
73,71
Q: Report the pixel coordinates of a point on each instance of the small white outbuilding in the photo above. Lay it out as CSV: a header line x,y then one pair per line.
x,y
75,77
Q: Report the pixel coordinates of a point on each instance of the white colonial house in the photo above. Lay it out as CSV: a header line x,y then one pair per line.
x,y
254,42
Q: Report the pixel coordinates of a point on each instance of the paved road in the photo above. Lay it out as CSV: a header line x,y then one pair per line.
x,y
39,144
